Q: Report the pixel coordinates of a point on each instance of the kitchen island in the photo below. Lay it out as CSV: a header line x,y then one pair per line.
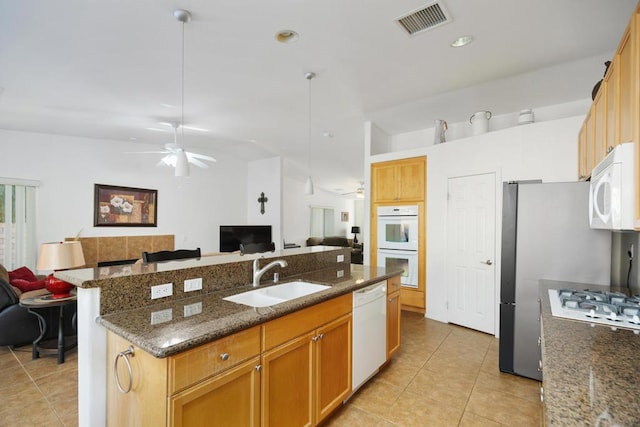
x,y
118,300
591,373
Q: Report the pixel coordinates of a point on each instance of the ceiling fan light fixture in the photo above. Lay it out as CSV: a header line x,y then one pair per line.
x,y
308,186
181,163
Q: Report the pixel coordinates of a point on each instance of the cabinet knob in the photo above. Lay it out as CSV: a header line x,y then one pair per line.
x,y
258,368
609,149
321,336
224,356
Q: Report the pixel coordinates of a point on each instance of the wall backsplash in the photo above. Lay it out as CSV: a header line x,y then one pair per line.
x,y
621,243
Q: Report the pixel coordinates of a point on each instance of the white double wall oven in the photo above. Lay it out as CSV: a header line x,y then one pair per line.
x,y
398,241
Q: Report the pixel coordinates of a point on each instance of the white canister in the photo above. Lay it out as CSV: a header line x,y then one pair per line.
x,y
480,122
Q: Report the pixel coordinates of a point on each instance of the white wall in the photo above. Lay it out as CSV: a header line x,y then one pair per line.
x,y
547,151
296,215
544,150
191,208
265,176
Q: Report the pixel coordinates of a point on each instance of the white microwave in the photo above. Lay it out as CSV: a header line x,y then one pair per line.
x,y
612,192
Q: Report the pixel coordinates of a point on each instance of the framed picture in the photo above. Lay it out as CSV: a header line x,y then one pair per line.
x,y
124,206
344,216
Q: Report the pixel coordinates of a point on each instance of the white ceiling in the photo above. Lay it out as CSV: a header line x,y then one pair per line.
x,y
110,69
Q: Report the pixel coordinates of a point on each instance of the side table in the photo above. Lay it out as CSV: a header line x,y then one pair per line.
x,y
46,301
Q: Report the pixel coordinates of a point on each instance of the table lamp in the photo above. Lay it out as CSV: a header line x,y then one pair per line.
x,y
355,230
59,256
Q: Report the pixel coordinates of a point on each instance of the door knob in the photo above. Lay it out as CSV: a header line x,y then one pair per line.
x,y
488,262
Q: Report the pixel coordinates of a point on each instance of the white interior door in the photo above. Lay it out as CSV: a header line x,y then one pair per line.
x,y
471,278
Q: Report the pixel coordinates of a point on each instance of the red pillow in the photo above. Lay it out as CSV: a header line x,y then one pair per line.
x,y
26,286
22,273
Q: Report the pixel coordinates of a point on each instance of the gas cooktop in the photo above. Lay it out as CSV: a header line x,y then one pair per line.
x,y
613,309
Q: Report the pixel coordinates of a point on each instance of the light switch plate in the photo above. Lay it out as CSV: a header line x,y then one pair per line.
x,y
340,273
340,258
193,284
162,291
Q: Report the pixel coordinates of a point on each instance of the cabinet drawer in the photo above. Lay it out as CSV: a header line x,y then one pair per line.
x,y
393,285
194,365
281,330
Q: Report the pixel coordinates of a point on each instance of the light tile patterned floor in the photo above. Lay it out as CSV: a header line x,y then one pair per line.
x,y
444,375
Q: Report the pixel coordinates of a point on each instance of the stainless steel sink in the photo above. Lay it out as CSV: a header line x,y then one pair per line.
x,y
272,295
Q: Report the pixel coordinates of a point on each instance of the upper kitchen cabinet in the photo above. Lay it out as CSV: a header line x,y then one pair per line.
x,y
398,180
613,117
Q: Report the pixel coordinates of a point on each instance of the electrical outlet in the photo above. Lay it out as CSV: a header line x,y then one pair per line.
x,y
161,316
193,284
193,309
340,273
340,258
162,291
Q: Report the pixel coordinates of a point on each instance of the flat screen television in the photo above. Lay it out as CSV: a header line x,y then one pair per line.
x,y
232,235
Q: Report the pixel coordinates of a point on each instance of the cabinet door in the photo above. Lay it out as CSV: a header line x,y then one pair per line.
x,y
286,383
231,398
583,173
411,179
600,120
393,323
611,80
590,140
333,366
384,182
626,62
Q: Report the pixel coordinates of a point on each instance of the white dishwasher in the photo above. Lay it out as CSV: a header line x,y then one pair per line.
x,y
369,332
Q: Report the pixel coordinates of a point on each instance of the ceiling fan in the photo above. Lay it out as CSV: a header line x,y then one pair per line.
x,y
359,191
177,157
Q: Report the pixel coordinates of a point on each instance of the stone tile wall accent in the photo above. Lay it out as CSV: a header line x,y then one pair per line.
x,y
115,248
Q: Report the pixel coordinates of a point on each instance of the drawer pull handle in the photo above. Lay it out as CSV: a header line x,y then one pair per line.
x,y
224,356
124,355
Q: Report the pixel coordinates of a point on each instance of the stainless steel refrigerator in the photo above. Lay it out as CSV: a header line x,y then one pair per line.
x,y
545,235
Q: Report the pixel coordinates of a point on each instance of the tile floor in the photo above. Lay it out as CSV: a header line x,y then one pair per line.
x,y
444,375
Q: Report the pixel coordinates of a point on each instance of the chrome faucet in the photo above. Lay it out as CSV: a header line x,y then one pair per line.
x,y
258,272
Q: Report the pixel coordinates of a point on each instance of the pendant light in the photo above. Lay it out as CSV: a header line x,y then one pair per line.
x,y
182,163
308,186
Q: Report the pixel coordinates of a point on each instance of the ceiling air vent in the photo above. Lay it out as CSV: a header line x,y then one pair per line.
x,y
426,18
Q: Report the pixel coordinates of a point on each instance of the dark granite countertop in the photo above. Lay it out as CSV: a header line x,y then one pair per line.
x,y
591,374
168,328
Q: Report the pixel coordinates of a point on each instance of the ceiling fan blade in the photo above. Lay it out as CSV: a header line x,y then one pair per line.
x,y
197,162
148,152
200,156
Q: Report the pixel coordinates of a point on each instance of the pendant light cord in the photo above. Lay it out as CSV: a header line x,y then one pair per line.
x,y
182,90
309,126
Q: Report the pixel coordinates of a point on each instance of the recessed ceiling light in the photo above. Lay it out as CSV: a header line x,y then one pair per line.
x,y
461,41
327,135
287,36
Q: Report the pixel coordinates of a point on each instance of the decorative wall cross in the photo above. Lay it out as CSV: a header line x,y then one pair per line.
x,y
262,200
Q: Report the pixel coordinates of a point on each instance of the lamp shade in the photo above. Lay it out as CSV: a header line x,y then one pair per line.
x,y
60,256
355,230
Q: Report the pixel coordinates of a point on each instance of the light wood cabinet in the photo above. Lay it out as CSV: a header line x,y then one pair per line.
x,y
229,399
181,389
393,316
398,180
613,116
307,364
